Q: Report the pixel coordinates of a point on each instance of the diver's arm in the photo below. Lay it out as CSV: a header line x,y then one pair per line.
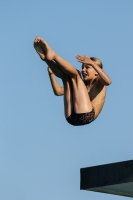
x,y
57,89
103,77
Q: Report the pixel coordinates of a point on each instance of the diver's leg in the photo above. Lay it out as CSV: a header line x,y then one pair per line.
x,y
79,97
55,69
63,64
68,99
52,64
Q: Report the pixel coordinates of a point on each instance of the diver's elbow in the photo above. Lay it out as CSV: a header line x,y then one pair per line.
x,y
109,82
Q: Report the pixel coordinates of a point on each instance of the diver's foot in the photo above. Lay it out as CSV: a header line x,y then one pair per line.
x,y
50,54
39,49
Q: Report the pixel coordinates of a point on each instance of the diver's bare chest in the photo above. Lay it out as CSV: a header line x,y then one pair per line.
x,y
93,93
97,93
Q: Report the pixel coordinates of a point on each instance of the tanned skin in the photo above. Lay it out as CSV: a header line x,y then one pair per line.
x,y
82,91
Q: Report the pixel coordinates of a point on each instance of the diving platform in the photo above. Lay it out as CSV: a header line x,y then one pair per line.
x,y
114,178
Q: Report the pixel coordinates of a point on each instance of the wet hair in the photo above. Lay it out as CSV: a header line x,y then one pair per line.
x,y
97,61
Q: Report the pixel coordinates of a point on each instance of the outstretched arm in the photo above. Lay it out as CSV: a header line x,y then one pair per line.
x,y
57,89
104,78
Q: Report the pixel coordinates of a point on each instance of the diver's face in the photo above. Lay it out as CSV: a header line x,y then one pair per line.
x,y
88,72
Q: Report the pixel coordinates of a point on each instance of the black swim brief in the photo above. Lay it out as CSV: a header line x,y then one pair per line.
x,y
81,119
